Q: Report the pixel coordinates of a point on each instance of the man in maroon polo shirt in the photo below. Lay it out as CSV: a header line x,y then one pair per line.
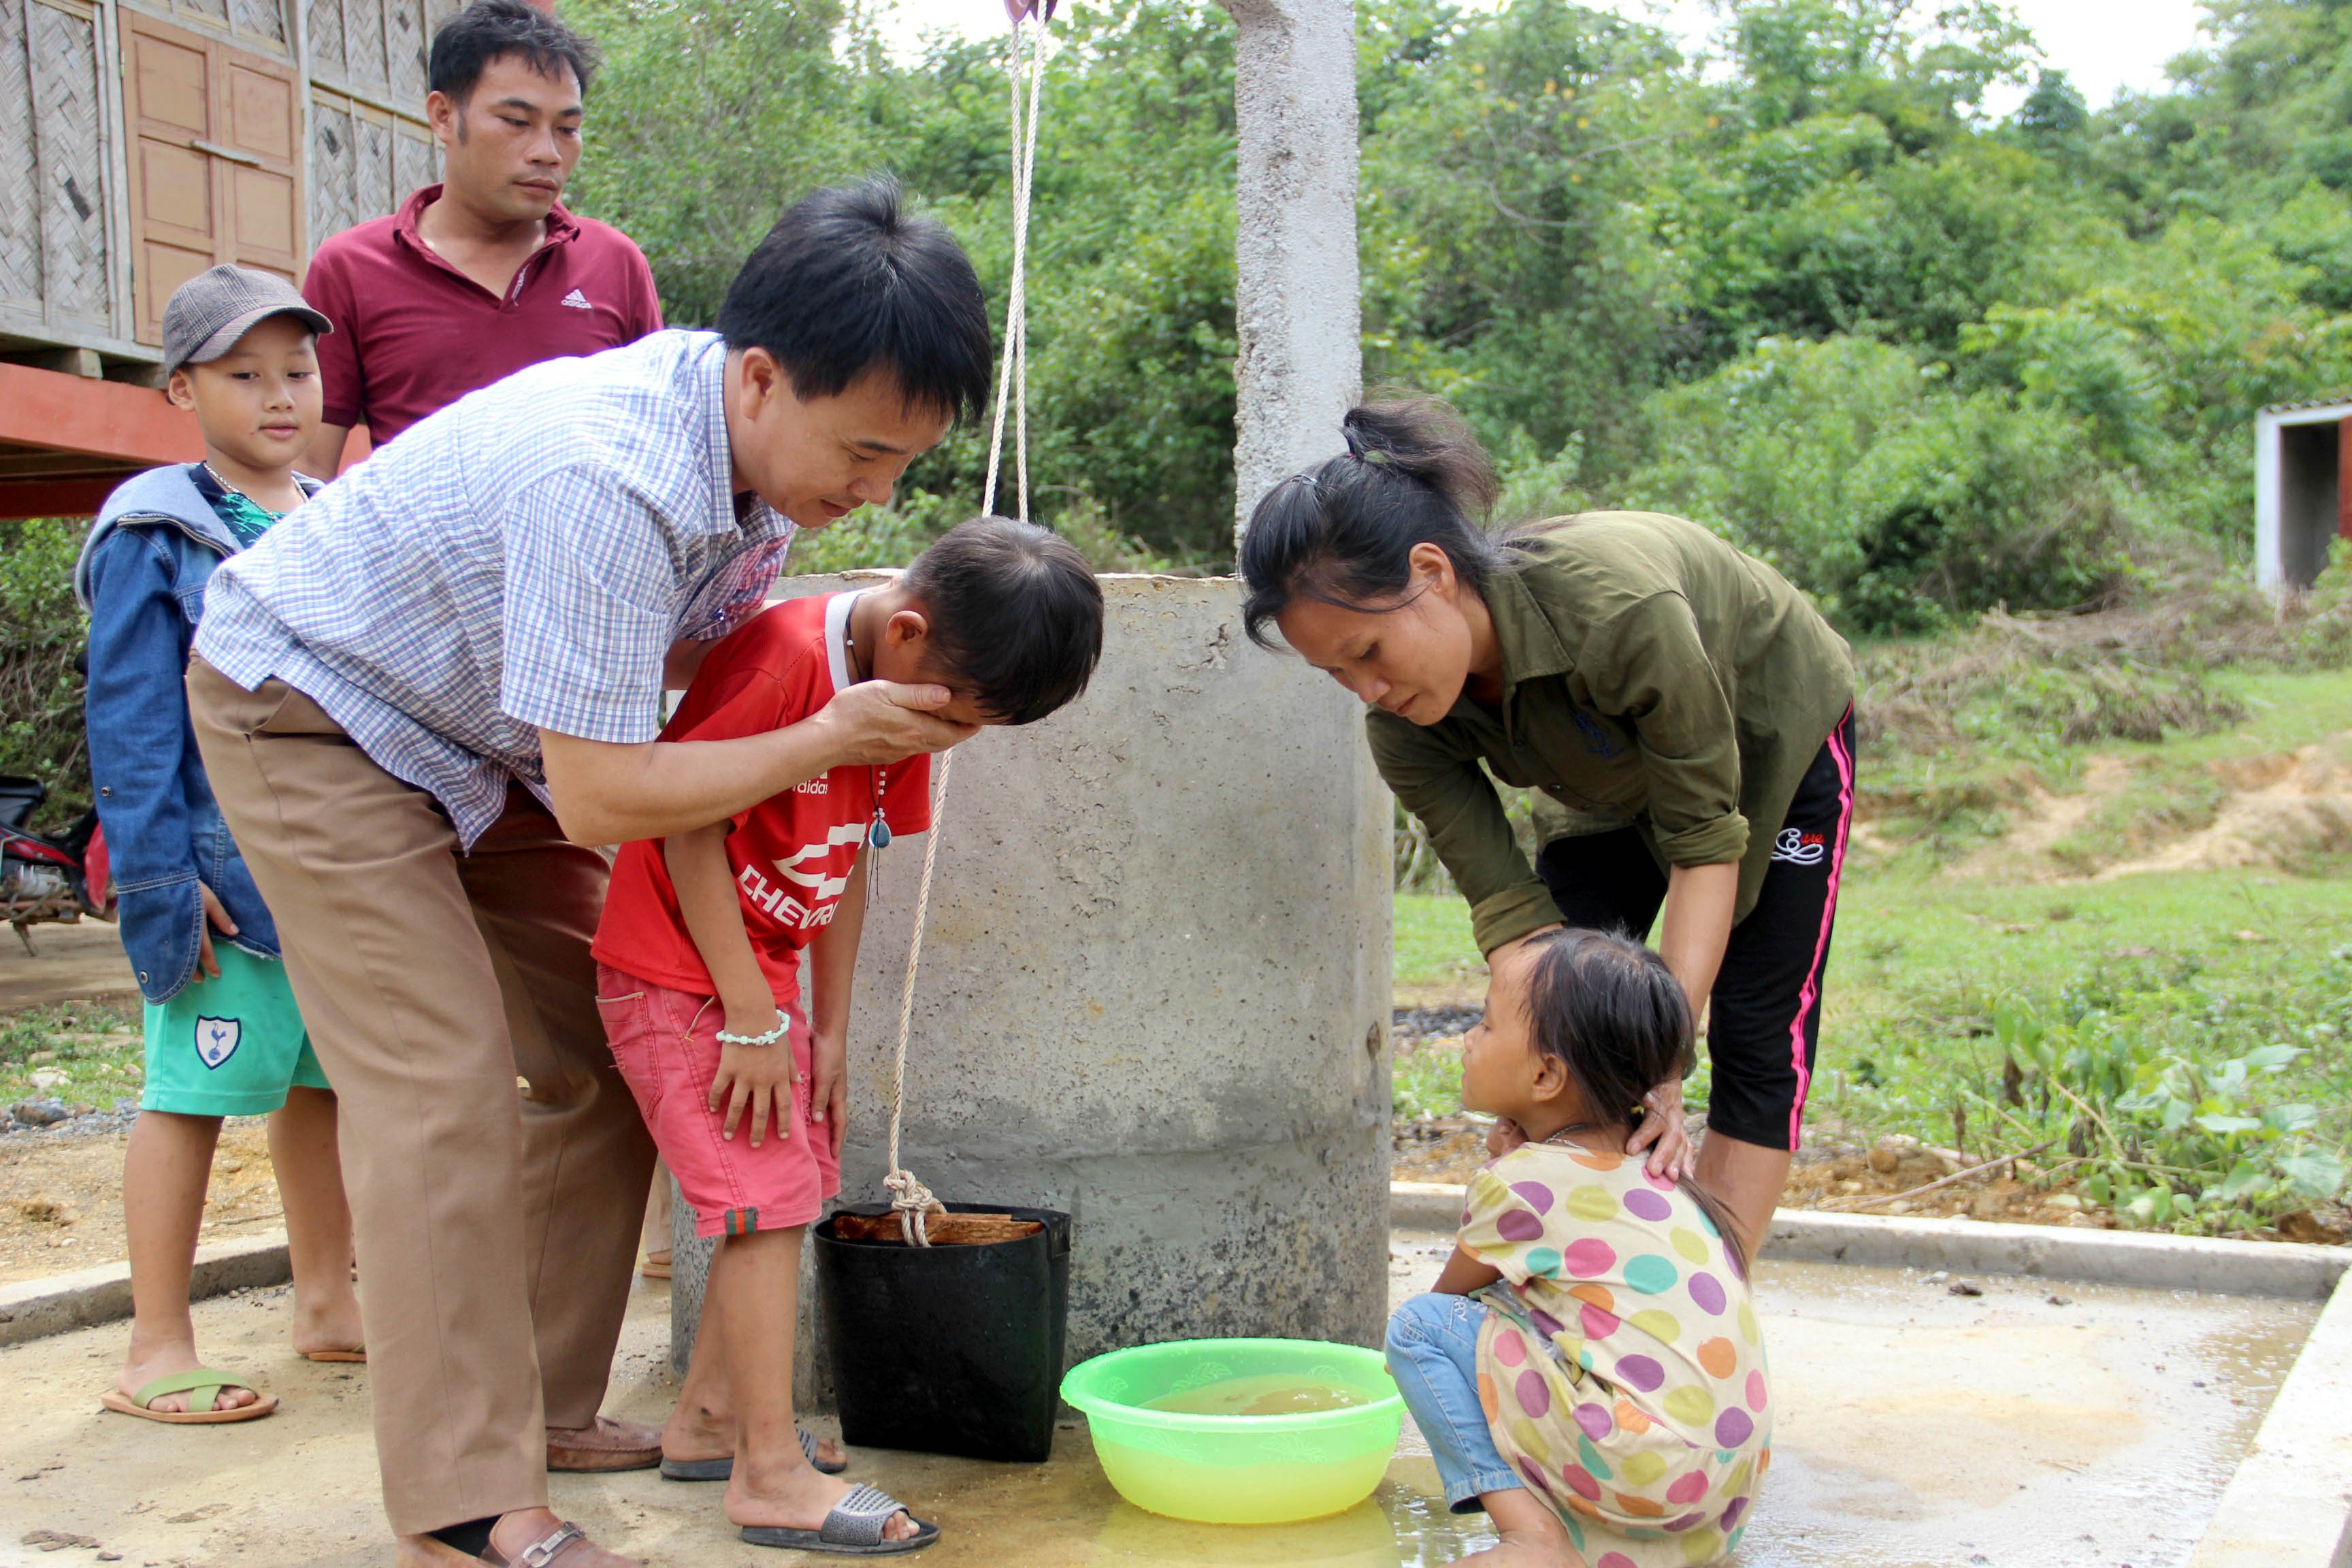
x,y
471,281
484,273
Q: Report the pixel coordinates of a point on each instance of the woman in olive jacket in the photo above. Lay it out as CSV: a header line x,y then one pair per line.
x,y
1687,714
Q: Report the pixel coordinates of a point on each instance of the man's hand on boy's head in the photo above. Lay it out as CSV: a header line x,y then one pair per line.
x,y
881,721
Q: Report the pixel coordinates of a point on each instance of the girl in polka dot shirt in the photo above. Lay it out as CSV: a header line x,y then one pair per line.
x,y
1589,1370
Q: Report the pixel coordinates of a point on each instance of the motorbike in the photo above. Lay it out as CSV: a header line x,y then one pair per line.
x,y
45,877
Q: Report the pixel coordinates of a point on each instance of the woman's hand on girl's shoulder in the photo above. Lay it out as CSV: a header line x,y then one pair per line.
x,y
1664,1134
1503,1137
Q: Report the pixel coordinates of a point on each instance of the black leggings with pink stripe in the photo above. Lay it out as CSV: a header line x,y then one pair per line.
x,y
1765,1016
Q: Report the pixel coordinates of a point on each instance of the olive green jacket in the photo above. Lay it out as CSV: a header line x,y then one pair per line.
x,y
1652,676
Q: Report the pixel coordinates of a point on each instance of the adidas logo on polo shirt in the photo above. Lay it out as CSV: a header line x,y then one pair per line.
x,y
577,301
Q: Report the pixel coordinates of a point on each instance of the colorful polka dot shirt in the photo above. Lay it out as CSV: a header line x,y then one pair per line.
x,y
1621,1366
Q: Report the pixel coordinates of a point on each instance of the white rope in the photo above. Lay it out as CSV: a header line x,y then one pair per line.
x,y
910,1200
1012,367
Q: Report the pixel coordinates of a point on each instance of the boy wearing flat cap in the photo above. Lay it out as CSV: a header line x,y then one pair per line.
x,y
224,1038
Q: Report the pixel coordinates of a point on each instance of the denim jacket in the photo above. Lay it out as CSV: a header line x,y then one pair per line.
x,y
141,577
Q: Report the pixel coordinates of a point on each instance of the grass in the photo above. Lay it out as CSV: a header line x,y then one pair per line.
x,y
2177,1040
1958,730
90,1052
2104,1018
1435,952
1992,1019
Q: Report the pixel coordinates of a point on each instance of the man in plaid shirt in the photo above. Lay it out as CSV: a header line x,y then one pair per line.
x,y
425,694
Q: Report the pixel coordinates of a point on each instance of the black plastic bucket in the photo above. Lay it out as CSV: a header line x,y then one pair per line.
x,y
949,1350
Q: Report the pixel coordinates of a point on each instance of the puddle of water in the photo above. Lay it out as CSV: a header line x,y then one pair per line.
x,y
1396,1526
1919,1430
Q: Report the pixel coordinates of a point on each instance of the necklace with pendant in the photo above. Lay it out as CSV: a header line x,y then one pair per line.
x,y
266,514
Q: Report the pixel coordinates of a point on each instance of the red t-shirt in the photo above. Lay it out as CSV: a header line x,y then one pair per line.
x,y
413,334
793,853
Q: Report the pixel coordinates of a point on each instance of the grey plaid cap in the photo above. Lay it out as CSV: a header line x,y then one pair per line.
x,y
208,313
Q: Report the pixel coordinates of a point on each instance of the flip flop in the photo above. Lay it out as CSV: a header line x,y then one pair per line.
x,y
202,1386
854,1528
656,1265
723,1467
360,1354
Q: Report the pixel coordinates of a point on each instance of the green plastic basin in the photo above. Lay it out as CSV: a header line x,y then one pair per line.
x,y
1238,1469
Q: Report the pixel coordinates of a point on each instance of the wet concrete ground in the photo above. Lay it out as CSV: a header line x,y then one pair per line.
x,y
1917,1429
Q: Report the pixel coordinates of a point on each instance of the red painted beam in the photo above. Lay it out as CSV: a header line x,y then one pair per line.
x,y
54,498
102,419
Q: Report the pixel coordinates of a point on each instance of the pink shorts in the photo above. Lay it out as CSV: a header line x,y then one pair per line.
x,y
666,1042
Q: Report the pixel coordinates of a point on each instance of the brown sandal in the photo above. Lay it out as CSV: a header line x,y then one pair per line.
x,y
607,1446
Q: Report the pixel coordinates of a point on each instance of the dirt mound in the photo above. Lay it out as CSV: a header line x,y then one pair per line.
x,y
2285,809
2039,820
2279,811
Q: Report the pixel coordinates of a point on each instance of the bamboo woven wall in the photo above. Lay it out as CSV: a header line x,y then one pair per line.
x,y
64,256
53,174
367,58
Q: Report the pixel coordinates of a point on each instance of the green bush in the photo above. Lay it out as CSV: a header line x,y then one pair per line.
x,y
2187,1134
1426,1083
1901,503
42,631
894,535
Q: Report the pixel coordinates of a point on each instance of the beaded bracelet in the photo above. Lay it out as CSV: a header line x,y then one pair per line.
x,y
783,1026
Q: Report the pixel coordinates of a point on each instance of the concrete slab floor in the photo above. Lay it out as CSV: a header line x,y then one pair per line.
x,y
1917,1429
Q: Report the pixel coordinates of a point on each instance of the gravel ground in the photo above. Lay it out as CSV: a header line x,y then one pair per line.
x,y
1415,1026
61,1193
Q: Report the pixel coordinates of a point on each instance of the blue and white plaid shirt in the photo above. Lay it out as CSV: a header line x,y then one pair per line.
x,y
520,561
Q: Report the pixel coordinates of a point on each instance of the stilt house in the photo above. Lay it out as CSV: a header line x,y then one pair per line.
x,y
143,140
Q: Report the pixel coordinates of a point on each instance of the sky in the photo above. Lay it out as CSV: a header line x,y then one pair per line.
x,y
2104,45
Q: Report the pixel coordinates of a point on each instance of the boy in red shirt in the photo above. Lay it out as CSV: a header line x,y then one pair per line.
x,y
697,959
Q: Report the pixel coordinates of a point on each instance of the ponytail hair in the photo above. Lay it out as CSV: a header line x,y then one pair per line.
x,y
1343,531
1607,1008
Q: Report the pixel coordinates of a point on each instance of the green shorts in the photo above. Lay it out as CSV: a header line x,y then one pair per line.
x,y
230,1045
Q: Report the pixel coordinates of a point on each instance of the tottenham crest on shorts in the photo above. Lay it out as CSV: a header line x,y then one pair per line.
x,y
217,1040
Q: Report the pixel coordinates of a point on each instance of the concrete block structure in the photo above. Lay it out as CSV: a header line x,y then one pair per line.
x,y
1154,990
1156,980
2303,489
144,141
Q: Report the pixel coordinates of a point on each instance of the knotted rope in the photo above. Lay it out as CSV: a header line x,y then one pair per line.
x,y
910,1200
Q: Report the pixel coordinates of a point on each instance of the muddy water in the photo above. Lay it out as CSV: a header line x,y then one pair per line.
x,y
1272,1393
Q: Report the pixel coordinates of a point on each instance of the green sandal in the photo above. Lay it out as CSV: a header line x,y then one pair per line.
x,y
203,1387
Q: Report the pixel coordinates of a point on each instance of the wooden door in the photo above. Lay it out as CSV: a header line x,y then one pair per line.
x,y
215,171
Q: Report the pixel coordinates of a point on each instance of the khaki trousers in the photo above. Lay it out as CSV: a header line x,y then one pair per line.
x,y
496,1233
